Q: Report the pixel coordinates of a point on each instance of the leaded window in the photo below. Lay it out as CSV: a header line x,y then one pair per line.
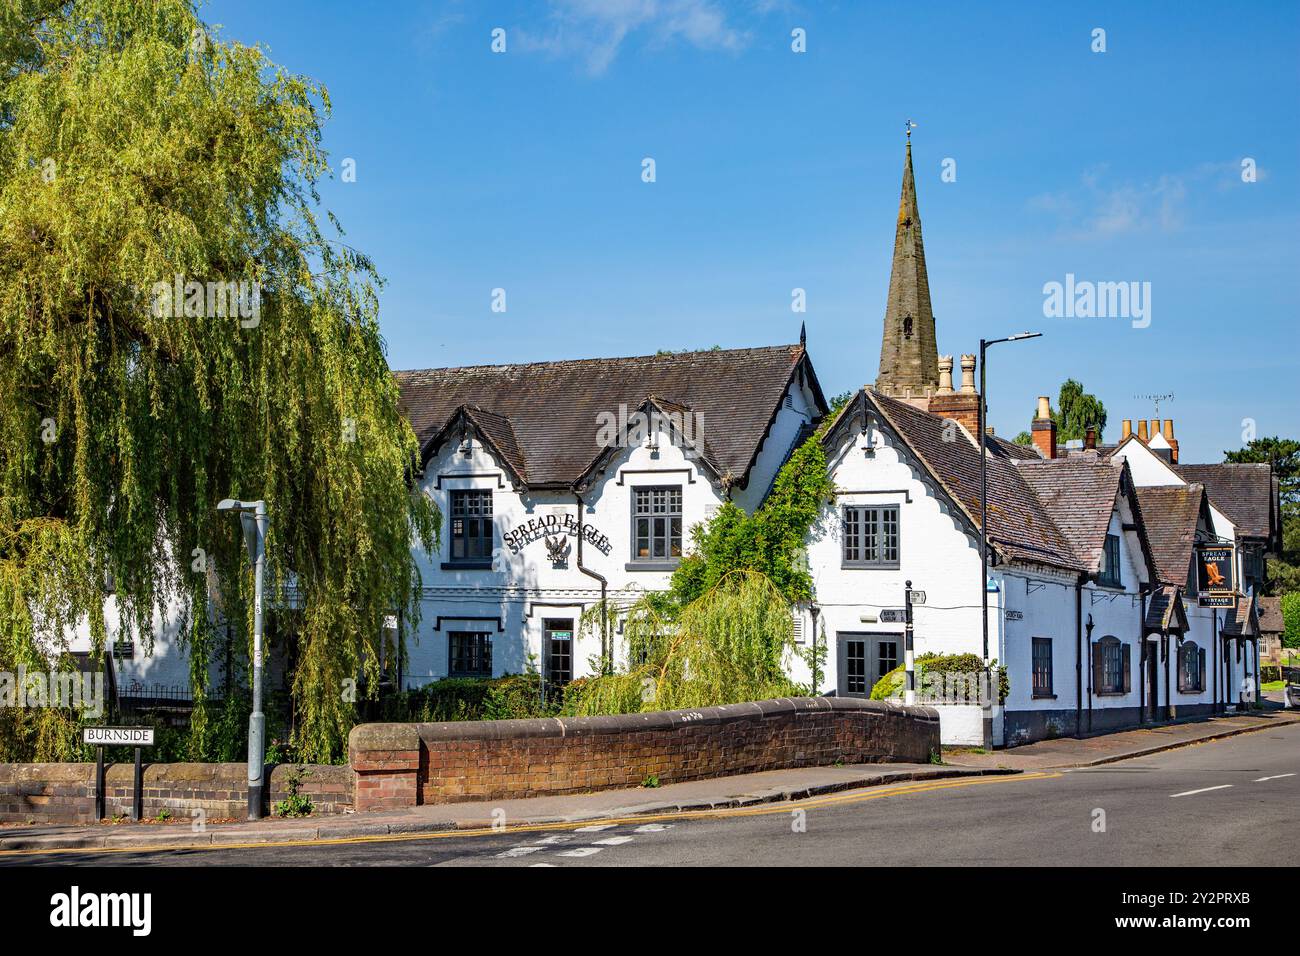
x,y
657,523
471,525
871,536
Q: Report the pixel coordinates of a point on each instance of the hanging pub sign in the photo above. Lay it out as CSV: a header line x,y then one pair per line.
x,y
1215,581
550,528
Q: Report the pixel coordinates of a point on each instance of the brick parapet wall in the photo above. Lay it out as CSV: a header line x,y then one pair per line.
x,y
65,792
404,764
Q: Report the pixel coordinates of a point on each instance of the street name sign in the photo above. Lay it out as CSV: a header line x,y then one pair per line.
x,y
118,736
892,615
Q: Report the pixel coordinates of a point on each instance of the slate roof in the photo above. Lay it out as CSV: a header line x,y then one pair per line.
x,y
1246,493
1241,621
1170,513
1020,528
1009,449
544,415
1079,494
1270,615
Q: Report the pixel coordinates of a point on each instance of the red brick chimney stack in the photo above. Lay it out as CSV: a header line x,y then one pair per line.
x,y
1044,429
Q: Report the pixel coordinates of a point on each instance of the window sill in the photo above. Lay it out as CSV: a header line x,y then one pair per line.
x,y
1110,693
869,567
670,565
455,676
467,565
1044,697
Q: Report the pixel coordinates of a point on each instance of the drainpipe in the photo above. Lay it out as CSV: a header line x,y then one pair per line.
x,y
1142,660
1214,643
1090,626
605,654
1078,657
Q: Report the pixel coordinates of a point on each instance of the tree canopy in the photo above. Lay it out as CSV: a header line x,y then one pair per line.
x,y
1075,410
177,327
1284,455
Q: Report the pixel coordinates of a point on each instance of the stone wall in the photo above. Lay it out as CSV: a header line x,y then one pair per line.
x,y
400,765
65,792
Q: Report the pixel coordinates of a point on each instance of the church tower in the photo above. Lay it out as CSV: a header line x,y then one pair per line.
x,y
909,358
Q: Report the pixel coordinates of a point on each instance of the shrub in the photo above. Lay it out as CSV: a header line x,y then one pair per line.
x,y
892,684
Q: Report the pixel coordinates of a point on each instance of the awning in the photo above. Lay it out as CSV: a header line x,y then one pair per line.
x,y
1165,611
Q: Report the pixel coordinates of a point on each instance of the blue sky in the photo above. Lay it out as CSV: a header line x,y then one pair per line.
x,y
777,170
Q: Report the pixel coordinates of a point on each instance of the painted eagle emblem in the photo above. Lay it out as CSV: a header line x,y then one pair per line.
x,y
557,549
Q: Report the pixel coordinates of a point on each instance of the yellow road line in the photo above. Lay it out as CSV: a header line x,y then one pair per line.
x,y
785,806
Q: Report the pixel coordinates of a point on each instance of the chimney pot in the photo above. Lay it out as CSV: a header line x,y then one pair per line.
x,y
1090,437
968,374
1044,407
1043,429
1142,430
1128,428
945,375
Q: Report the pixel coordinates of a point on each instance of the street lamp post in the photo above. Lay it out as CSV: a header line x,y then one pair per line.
x,y
253,519
984,521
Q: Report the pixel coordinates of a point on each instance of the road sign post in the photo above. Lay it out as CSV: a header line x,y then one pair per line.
x,y
101,737
909,697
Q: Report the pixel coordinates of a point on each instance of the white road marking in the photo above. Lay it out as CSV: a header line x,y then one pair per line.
x,y
652,828
581,851
1189,793
541,864
595,828
552,840
614,841
1275,777
518,851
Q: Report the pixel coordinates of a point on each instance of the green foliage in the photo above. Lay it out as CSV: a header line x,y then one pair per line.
x,y
136,146
1024,438
651,781
933,667
726,646
295,803
1075,410
510,697
771,541
1291,619
1283,572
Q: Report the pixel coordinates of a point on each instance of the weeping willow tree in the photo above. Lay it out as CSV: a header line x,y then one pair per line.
x,y
728,645
177,327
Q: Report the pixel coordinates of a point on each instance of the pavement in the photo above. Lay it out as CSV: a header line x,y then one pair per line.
x,y
701,796
1122,745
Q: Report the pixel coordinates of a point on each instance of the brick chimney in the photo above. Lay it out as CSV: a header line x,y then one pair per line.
x,y
961,406
1169,437
1044,429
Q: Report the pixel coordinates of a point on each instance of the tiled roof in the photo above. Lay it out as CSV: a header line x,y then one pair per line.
x,y
1241,621
552,409
1019,526
1170,514
1270,615
1009,449
1079,494
1165,611
1243,492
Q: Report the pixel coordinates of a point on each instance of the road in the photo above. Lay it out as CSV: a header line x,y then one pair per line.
x,y
1226,802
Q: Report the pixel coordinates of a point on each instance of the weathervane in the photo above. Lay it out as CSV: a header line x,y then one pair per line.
x,y
909,126
1166,397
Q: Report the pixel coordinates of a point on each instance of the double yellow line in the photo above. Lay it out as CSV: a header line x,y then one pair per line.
x,y
786,806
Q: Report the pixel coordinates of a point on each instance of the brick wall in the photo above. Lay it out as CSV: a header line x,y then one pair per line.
x,y
65,792
405,764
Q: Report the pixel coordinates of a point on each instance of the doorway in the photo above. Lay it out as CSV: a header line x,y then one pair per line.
x,y
557,654
864,658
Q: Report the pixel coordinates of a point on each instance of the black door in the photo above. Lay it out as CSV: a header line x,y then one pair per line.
x,y
865,658
557,654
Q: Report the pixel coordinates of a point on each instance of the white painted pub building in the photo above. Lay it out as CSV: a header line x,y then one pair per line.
x,y
565,483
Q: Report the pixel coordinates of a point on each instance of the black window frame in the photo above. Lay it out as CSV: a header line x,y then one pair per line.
x,y
673,518
1041,676
479,519
1109,576
479,652
858,538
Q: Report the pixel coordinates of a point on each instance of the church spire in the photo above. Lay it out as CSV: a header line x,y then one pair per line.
x,y
909,358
